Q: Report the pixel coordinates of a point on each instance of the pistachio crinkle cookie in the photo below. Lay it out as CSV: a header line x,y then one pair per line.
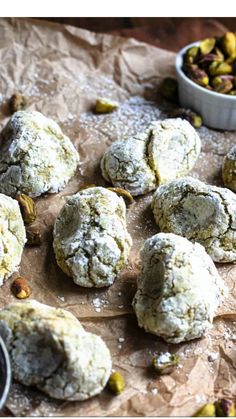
x,y
12,236
50,349
229,169
199,212
167,150
179,288
35,156
91,241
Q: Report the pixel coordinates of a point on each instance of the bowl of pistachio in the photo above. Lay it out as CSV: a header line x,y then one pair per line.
x,y
206,74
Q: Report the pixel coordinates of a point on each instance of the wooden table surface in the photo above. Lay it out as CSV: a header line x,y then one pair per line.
x,y
168,33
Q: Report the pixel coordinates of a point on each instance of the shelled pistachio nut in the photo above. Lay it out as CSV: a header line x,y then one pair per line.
x,y
222,85
169,89
199,76
229,43
212,57
192,117
104,105
218,69
207,410
225,407
165,363
207,45
191,55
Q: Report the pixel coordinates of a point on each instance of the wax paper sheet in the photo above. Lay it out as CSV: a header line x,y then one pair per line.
x,y
63,70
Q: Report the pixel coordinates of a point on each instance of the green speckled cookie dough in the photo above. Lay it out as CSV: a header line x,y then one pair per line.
x,y
229,169
12,236
199,212
167,150
91,242
35,156
50,350
179,288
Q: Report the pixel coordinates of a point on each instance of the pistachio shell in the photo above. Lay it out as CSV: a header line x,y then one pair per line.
x,y
89,185
28,208
17,102
20,288
33,236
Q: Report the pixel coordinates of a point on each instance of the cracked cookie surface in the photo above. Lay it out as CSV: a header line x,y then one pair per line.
x,y
12,236
167,150
35,156
199,212
179,288
91,242
50,349
229,169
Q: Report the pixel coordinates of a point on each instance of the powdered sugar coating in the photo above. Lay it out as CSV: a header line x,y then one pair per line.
x,y
12,236
91,242
50,349
35,156
167,150
199,212
179,288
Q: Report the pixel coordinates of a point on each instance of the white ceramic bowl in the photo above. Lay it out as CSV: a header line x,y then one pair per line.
x,y
217,110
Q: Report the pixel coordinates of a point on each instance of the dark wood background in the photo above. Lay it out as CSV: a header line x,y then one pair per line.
x,y
171,33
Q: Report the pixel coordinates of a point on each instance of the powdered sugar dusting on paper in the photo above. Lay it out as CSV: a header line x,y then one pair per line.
x,y
133,116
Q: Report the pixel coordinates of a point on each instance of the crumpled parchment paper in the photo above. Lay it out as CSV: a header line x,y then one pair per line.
x,y
62,70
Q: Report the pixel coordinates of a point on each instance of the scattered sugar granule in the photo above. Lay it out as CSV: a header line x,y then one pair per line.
x,y
61,298
121,340
143,391
200,398
164,357
154,391
121,306
97,309
212,357
96,302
